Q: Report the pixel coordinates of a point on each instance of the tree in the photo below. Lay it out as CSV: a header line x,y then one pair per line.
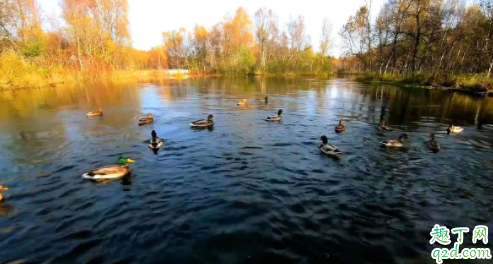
x,y
357,36
174,48
98,28
237,44
326,37
266,31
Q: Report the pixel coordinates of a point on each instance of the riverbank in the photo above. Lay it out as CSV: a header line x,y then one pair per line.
x,y
476,84
17,72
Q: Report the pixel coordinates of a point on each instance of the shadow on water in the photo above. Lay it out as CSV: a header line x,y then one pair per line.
x,y
246,190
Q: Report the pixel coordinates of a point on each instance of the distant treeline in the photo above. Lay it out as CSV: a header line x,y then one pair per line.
x,y
91,40
429,41
238,45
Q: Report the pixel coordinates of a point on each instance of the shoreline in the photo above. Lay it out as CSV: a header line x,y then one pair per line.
x,y
139,76
464,90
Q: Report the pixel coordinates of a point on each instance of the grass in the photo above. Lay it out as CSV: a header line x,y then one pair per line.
x,y
17,72
474,83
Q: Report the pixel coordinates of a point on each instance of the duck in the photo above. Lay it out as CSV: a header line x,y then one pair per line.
x,y
149,119
266,99
155,142
278,117
95,113
242,102
433,144
110,172
383,127
329,149
2,189
454,129
392,143
341,127
203,123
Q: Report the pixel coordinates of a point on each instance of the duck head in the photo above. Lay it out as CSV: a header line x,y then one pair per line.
x,y
341,122
210,117
124,160
3,188
324,139
279,112
150,116
432,136
153,134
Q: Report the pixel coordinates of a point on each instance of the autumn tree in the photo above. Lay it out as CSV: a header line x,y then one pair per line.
x,y
174,48
237,44
98,29
357,36
326,37
266,32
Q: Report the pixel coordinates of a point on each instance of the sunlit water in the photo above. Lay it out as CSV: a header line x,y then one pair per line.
x,y
248,191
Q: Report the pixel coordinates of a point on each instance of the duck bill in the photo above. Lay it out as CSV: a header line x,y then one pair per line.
x,y
130,160
3,188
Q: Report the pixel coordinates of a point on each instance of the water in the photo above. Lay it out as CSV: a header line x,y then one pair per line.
x,y
248,191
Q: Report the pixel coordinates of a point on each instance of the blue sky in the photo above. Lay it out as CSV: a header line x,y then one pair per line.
x,y
148,18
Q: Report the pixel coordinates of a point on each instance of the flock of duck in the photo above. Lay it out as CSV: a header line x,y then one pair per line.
x,y
122,169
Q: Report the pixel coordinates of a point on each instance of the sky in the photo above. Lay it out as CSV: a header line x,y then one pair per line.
x,y
149,18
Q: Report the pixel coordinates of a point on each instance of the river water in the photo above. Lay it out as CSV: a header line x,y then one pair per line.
x,y
246,191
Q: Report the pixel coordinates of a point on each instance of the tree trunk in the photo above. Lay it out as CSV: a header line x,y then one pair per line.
x,y
491,66
79,55
417,39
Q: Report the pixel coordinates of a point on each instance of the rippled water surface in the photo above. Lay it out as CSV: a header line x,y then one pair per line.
x,y
247,191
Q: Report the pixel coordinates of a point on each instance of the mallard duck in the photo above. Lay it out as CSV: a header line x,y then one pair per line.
x,y
95,113
341,127
454,129
2,189
242,102
432,144
328,149
155,142
110,172
149,119
278,117
392,143
266,99
383,127
203,122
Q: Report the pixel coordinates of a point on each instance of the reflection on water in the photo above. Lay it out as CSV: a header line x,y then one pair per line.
x,y
247,191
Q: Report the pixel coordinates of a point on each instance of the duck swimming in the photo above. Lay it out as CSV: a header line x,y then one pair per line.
x,y
203,123
454,129
149,119
341,127
2,189
383,127
329,149
155,142
110,172
432,144
95,113
278,117
242,102
266,99
392,143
